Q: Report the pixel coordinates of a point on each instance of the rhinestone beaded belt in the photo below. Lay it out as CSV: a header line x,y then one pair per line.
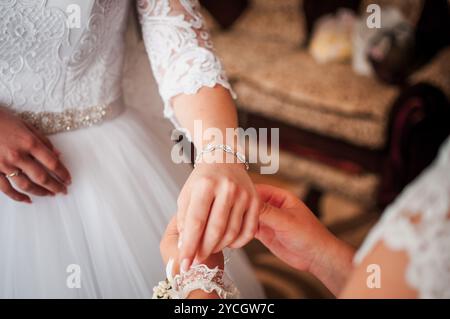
x,y
72,119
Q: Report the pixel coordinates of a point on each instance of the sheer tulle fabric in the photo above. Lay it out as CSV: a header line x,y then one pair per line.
x,y
125,185
123,193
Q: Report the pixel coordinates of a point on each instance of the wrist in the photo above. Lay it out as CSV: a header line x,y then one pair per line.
x,y
221,154
333,263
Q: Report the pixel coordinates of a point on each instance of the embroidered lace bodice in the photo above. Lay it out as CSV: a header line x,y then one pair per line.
x,y
418,222
57,55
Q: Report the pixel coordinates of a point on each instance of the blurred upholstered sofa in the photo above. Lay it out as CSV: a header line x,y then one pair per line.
x,y
340,131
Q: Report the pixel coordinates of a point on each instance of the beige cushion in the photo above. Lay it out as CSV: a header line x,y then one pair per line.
x,y
244,54
360,131
275,20
331,87
283,82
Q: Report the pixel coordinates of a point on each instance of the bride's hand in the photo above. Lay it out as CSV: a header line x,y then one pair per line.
x,y
24,149
218,207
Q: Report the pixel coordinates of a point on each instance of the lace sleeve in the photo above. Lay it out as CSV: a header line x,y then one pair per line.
x,y
179,48
419,224
198,277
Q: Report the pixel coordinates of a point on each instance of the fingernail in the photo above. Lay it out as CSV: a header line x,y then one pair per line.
x,y
180,242
184,266
169,269
196,262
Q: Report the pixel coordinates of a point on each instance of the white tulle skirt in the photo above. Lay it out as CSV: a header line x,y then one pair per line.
x,y
108,228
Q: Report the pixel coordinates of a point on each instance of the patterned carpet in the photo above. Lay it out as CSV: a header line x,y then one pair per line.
x,y
346,219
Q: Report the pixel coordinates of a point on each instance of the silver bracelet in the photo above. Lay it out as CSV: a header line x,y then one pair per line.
x,y
222,147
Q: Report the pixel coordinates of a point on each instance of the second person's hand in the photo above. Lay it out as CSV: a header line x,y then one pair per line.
x,y
291,231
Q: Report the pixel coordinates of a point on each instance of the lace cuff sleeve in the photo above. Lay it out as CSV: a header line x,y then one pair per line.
x,y
418,222
179,49
198,277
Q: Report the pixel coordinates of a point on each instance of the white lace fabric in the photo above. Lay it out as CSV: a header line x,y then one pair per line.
x,y
180,49
418,222
201,277
48,65
198,277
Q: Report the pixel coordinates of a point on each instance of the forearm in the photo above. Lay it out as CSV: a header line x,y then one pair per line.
x,y
214,107
334,265
200,294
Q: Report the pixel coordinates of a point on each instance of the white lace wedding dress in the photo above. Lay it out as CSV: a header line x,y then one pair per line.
x,y
418,223
67,80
